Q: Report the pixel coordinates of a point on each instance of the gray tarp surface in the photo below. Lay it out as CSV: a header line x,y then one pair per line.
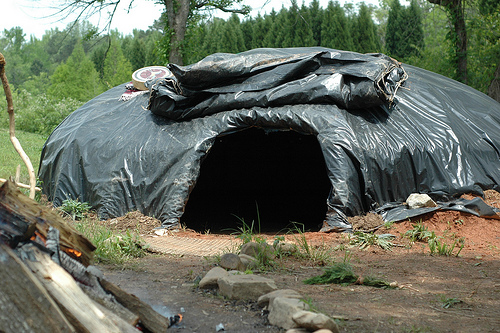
x,y
438,136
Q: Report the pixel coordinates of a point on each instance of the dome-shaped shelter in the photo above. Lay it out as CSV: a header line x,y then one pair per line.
x,y
303,135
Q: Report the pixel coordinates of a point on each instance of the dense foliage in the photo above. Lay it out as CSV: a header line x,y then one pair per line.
x,y
53,75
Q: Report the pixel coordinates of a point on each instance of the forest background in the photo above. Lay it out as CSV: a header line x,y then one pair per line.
x,y
52,76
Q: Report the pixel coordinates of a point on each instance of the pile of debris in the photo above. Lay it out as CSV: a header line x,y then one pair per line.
x,y
48,282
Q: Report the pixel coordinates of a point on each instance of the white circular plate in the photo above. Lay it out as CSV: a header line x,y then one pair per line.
x,y
148,73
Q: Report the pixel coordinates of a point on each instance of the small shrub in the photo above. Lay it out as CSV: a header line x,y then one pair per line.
x,y
447,302
76,209
319,254
365,240
440,247
418,233
112,248
343,273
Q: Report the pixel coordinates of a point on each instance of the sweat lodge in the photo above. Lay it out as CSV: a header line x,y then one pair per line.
x,y
277,136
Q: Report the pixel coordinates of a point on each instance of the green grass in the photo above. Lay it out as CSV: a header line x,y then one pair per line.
x,y
111,247
10,159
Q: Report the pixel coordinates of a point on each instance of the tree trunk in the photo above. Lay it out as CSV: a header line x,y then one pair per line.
x,y
177,16
494,89
456,13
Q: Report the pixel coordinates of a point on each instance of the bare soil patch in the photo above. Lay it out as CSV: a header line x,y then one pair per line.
x,y
469,283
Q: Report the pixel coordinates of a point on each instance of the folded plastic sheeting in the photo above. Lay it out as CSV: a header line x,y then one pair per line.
x,y
437,136
270,78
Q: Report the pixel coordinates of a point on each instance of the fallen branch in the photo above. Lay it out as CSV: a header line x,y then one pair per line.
x,y
21,185
12,125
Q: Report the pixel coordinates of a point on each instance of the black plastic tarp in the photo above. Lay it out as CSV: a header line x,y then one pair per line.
x,y
434,135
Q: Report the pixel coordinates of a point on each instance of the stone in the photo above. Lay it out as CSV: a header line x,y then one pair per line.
x,y
245,286
281,310
286,248
323,330
287,293
209,281
314,321
230,261
248,262
256,250
416,200
297,330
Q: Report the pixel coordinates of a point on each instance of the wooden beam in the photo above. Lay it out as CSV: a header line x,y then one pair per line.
x,y
26,305
84,313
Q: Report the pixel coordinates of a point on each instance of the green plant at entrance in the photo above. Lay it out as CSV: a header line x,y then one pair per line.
x,y
339,273
343,273
74,208
364,240
418,233
248,232
440,247
112,248
318,254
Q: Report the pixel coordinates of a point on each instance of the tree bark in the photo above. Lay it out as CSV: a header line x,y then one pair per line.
x,y
177,16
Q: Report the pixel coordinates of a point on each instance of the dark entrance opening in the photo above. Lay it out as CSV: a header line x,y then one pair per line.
x,y
279,174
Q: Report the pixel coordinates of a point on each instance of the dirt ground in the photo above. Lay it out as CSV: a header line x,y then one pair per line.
x,y
436,293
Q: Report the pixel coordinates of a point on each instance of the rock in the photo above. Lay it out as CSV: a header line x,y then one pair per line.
x,y
258,250
286,293
209,281
245,286
297,330
281,310
248,262
286,248
323,330
314,321
230,261
416,200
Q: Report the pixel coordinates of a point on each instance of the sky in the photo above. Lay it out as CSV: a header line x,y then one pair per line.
x,y
34,16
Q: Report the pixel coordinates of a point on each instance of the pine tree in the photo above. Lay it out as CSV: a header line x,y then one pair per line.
x,y
316,18
414,32
394,35
137,54
278,32
364,33
117,69
335,32
270,25
77,78
233,36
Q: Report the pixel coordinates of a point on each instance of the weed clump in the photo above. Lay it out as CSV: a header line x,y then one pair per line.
x,y
343,273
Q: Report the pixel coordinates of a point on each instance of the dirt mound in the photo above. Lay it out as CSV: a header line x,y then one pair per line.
x,y
436,293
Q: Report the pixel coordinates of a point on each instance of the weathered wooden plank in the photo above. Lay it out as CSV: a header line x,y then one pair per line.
x,y
18,209
82,312
25,305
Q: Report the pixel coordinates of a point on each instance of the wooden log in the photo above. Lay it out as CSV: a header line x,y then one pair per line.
x,y
17,208
25,305
82,312
152,320
100,296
